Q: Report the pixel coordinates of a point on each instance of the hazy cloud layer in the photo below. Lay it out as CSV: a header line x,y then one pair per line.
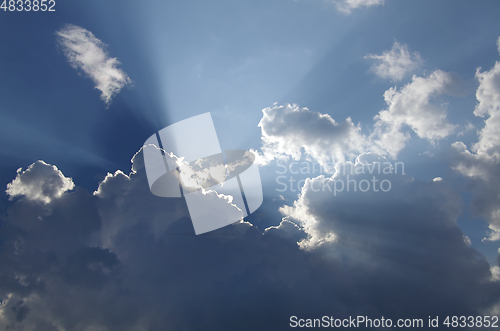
x,y
84,51
395,63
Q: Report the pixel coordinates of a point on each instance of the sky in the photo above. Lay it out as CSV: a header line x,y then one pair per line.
x,y
374,124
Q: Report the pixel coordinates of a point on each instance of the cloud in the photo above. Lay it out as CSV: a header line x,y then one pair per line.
x,y
411,107
84,51
407,225
130,260
326,205
481,163
346,6
40,182
396,63
290,131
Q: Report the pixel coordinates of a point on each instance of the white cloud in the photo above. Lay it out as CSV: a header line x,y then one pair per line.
x,y
84,51
498,45
396,63
488,97
346,6
40,182
290,131
411,106
482,161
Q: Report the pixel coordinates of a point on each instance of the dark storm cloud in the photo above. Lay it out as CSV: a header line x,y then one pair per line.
x,y
123,259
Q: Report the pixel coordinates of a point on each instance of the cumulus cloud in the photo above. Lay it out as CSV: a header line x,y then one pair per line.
x,y
407,223
290,131
87,53
481,162
412,107
124,259
40,182
395,63
369,177
131,260
346,6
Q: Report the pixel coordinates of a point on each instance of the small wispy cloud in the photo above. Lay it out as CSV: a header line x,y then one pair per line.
x,y
395,63
346,6
84,51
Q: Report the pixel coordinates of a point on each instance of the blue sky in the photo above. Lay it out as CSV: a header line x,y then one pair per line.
x,y
305,81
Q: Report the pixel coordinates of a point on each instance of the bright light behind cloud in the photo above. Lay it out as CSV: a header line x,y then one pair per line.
x,y
289,130
84,51
393,230
40,182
